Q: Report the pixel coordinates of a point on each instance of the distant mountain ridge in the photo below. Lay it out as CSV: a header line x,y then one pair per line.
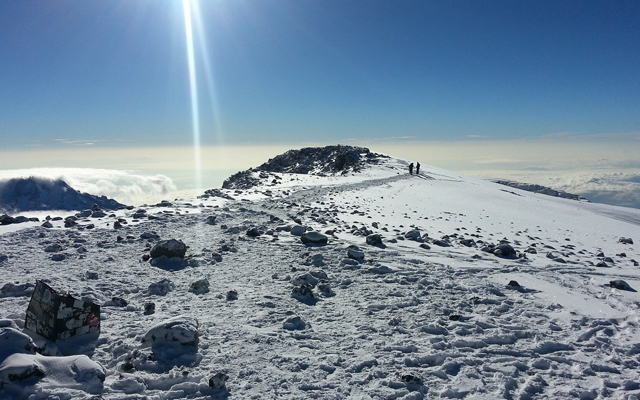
x,y
309,160
37,194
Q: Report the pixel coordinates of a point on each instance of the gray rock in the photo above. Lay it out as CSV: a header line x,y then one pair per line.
x,y
355,253
297,230
200,286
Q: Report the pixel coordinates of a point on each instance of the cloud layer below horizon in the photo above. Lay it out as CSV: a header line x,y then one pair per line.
x,y
600,170
124,186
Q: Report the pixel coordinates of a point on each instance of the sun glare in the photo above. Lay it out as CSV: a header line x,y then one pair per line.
x,y
193,87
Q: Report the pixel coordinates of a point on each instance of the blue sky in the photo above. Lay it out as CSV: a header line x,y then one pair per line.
x,y
115,73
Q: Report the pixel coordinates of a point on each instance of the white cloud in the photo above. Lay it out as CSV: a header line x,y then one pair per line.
x,y
124,186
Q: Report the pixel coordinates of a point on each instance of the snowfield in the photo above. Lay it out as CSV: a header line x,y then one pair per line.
x,y
477,291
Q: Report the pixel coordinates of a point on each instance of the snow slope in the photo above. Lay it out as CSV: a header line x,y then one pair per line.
x,y
427,314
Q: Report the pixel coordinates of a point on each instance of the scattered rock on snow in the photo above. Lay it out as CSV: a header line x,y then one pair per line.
x,y
314,237
294,324
169,248
303,292
58,257
219,381
200,286
232,295
413,235
513,284
117,301
504,250
621,285
161,288
254,232
297,230
149,308
625,240
355,253
374,240
53,248
6,220
305,279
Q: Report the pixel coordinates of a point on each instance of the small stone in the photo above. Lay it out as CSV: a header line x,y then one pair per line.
x,y
513,284
119,302
149,308
232,295
254,232
53,248
303,292
91,275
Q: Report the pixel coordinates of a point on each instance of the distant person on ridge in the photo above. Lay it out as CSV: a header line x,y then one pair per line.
x,y
417,168
411,169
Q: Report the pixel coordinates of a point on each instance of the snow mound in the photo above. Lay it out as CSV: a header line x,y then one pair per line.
x,y
31,194
24,373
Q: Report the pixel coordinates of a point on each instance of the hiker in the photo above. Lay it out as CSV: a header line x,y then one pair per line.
x,y
411,169
417,168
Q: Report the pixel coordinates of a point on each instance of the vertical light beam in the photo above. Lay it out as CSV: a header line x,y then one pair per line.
x,y
195,114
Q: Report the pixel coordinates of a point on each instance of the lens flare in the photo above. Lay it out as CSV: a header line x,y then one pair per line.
x,y
195,113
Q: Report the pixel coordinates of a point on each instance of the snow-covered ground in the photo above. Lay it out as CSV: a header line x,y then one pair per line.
x,y
427,314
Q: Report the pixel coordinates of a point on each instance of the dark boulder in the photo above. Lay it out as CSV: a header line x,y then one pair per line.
x,y
314,237
621,285
6,220
169,248
374,240
504,250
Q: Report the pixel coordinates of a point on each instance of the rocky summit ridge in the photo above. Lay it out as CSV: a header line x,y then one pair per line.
x,y
335,159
